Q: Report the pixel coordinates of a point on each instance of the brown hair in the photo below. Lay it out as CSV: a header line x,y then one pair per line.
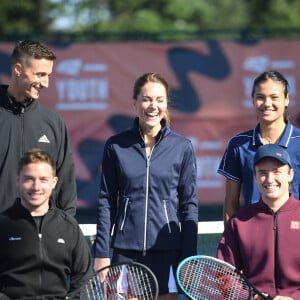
x,y
151,77
24,50
36,155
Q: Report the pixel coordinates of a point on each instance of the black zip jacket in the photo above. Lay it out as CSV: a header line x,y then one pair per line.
x,y
23,127
36,263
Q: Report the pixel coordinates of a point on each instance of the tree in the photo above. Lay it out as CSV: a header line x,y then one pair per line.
x,y
220,17
25,16
176,19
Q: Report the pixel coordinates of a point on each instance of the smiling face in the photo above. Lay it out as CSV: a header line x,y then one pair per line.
x,y
36,182
151,106
31,76
273,179
270,101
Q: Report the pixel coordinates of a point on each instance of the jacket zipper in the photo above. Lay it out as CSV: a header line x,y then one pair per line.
x,y
22,148
40,237
275,247
147,194
166,214
146,203
41,256
125,212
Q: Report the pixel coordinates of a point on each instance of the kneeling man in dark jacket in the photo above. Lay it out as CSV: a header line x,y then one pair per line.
x,y
43,252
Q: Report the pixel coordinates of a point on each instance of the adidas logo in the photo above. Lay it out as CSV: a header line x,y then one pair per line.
x,y
61,241
43,139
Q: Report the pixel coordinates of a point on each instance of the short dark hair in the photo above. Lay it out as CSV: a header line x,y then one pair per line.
x,y
36,155
27,49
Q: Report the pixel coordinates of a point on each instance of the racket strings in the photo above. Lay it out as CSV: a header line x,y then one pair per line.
x,y
121,282
93,290
141,282
206,280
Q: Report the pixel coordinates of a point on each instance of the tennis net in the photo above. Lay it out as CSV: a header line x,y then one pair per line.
x,y
209,234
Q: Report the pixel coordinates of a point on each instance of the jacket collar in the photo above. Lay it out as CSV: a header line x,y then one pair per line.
x,y
17,209
10,104
288,205
165,130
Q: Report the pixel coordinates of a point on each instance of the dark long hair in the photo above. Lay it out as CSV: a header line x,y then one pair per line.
x,y
275,76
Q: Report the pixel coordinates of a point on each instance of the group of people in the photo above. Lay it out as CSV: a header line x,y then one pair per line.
x,y
262,169
148,205
147,189
43,253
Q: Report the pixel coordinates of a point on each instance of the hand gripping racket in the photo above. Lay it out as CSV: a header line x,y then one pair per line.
x,y
121,281
207,278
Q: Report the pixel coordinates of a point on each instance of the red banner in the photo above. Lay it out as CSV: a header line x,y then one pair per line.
x,y
210,82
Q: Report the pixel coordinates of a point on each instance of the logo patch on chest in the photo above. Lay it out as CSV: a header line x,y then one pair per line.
x,y
295,225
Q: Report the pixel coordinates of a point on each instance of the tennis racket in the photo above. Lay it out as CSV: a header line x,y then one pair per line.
x,y
121,281
205,278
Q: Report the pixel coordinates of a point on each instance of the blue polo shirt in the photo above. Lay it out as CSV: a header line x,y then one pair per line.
x,y
237,161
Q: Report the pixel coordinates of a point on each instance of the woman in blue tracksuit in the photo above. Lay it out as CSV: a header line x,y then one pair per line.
x,y
148,187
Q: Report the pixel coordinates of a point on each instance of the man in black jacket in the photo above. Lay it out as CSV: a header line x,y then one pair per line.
x,y
26,123
43,252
